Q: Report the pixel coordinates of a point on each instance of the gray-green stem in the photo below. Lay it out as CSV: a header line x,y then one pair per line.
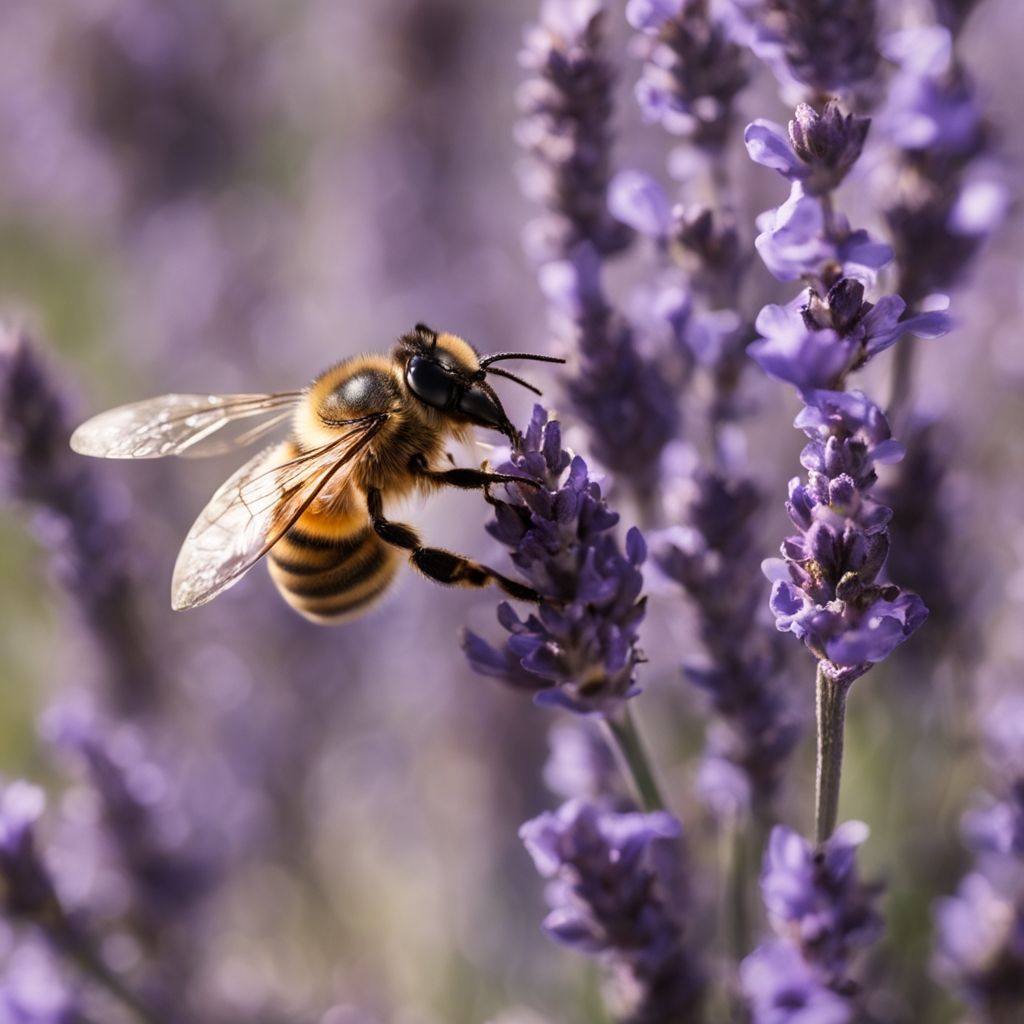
x,y
831,707
627,741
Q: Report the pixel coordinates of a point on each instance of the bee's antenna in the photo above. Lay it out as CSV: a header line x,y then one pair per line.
x,y
518,380
501,356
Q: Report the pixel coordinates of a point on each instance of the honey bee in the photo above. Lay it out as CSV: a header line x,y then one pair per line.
x,y
367,430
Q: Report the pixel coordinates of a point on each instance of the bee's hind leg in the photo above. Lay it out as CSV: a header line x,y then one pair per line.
x,y
438,564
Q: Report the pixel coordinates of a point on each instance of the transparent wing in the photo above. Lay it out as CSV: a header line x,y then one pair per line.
x,y
255,508
180,425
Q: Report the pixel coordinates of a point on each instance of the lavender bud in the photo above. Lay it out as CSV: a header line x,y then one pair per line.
x,y
830,143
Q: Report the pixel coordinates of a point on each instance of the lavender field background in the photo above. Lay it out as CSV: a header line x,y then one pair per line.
x,y
251,818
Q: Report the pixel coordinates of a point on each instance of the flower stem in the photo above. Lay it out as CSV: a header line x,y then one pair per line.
x,y
831,707
627,741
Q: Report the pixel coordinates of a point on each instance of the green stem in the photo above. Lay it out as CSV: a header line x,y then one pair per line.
x,y
733,920
831,706
627,741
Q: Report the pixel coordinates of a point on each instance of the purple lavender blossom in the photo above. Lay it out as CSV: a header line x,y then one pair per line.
x,y
826,590
979,950
714,556
943,211
624,398
579,648
607,899
620,393
28,891
816,340
33,990
79,515
818,150
821,913
164,878
815,900
980,946
692,70
782,988
796,242
566,107
824,46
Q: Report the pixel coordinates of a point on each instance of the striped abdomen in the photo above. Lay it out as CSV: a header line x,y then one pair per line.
x,y
331,568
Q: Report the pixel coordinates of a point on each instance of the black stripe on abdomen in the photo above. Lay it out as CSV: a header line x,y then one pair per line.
x,y
326,577
349,573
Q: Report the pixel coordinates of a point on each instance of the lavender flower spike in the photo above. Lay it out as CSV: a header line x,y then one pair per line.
x,y
821,914
618,391
979,950
79,515
609,899
692,70
565,128
824,46
826,589
579,648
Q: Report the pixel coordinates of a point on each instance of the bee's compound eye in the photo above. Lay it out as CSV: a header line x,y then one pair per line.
x,y
430,382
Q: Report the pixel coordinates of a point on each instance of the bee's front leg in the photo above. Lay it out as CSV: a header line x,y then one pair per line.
x,y
437,563
465,478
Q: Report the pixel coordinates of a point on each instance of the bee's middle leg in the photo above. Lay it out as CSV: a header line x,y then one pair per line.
x,y
437,563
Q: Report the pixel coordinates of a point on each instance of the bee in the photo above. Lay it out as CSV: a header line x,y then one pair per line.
x,y
370,429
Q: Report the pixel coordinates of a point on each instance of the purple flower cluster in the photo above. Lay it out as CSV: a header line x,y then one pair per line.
x,y
579,648
618,391
80,514
691,76
565,128
627,403
941,202
608,898
30,898
163,877
822,46
714,556
828,590
980,930
29,892
821,913
692,70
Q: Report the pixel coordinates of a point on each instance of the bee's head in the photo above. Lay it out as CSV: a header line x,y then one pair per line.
x,y
445,372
